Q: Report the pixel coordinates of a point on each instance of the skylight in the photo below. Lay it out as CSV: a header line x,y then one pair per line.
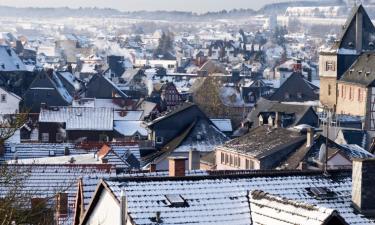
x,y
175,201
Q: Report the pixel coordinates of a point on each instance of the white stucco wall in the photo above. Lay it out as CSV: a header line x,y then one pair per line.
x,y
106,212
11,105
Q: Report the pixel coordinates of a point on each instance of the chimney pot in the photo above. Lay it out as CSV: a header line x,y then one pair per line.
x,y
62,205
310,137
277,119
363,181
177,166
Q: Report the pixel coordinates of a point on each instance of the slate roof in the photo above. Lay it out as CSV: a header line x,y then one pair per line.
x,y
79,118
45,181
9,60
303,153
298,90
362,71
350,27
263,141
224,199
354,137
264,105
224,125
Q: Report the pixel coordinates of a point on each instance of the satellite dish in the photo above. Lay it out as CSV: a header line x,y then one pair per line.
x,y
322,153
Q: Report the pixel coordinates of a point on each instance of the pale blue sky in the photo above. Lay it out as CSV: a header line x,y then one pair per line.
x,y
132,5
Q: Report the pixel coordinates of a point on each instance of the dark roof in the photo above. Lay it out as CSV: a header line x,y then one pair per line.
x,y
304,152
354,137
168,114
264,105
362,71
349,29
297,88
263,141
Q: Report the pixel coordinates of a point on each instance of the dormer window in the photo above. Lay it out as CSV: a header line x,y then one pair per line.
x,y
351,44
286,95
299,95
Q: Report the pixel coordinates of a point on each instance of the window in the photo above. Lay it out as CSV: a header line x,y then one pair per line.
x,y
159,140
247,166
226,159
239,162
231,160
359,95
222,158
235,160
342,91
45,137
3,98
329,89
330,66
350,93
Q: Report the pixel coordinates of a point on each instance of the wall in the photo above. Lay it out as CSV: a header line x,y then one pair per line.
x,y
106,212
351,106
229,166
11,105
327,77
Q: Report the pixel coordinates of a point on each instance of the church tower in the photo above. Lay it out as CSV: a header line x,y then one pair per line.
x,y
358,36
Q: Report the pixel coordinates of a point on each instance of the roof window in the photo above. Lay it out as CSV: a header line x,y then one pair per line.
x,y
320,192
175,201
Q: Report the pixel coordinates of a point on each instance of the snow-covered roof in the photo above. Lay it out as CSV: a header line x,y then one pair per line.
x,y
127,115
224,199
224,125
9,60
45,181
79,118
130,128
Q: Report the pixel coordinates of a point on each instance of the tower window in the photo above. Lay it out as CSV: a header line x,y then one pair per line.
x,y
329,89
330,66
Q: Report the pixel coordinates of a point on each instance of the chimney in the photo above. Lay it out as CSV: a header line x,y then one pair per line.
x,y
177,166
363,182
310,137
297,67
123,208
61,205
277,119
359,31
194,159
2,149
302,166
158,217
152,167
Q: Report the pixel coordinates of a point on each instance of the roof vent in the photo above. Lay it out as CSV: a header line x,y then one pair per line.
x,y
351,44
51,153
367,73
13,149
175,201
78,113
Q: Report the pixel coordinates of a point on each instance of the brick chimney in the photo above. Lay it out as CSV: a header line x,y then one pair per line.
x,y
297,67
177,166
152,167
194,159
310,137
61,205
363,182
